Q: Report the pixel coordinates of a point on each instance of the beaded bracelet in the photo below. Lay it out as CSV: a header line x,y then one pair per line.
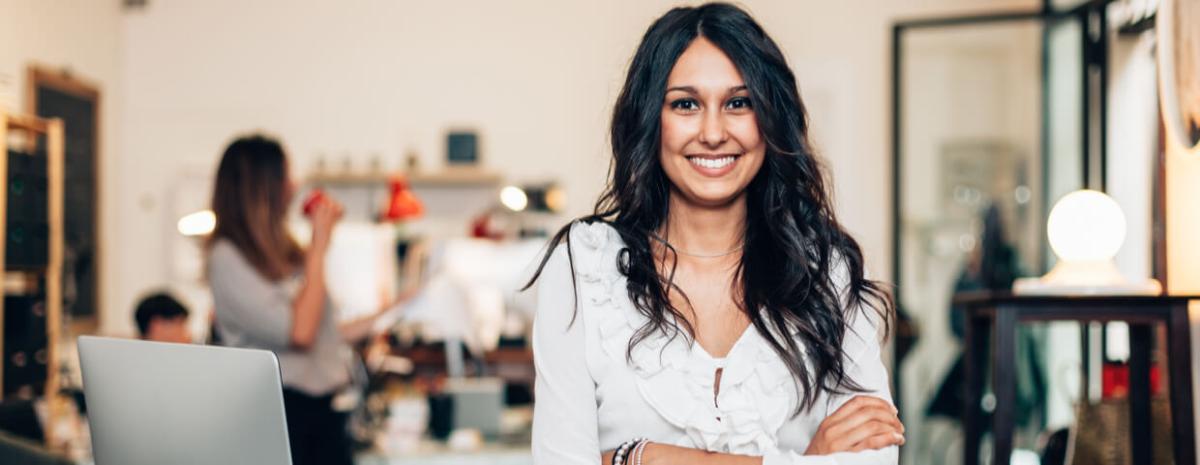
x,y
623,450
641,447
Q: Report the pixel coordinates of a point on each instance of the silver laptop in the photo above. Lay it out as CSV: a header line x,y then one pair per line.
x,y
153,403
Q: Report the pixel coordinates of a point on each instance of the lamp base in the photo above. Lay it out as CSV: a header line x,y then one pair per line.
x,y
1085,278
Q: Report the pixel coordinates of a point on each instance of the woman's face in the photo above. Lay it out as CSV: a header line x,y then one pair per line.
x,y
711,146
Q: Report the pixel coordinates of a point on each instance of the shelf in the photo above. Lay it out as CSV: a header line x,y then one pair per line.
x,y
44,281
450,177
28,123
20,283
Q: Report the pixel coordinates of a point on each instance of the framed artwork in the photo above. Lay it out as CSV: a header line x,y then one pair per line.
x,y
57,93
462,147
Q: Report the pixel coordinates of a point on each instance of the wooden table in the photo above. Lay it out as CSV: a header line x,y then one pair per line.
x,y
1003,312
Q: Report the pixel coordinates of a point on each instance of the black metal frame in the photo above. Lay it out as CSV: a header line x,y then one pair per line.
x,y
1094,48
1094,55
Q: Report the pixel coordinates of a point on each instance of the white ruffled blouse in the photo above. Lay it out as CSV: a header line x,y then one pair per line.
x,y
590,399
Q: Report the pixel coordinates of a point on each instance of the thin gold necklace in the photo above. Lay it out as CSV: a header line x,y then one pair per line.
x,y
698,255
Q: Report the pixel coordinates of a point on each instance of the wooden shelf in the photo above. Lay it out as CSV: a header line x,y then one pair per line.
x,y
20,283
27,123
27,282
450,177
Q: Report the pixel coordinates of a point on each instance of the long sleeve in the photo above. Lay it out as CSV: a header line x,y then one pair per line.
x,y
864,365
247,303
564,413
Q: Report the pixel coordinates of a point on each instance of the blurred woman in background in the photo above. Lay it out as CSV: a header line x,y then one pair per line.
x,y
269,293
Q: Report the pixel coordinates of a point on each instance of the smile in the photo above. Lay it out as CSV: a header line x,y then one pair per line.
x,y
713,165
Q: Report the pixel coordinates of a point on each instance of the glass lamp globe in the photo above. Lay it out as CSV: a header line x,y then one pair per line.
x,y
1086,229
1086,226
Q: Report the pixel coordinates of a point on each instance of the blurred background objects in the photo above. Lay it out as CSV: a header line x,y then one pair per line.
x,y
456,134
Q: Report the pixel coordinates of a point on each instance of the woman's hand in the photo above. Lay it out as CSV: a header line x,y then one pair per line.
x,y
309,305
324,216
865,422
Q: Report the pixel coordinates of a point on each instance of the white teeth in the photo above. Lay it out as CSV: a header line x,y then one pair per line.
x,y
711,163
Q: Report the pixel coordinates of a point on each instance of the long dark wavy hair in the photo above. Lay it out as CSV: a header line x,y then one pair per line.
x,y
793,241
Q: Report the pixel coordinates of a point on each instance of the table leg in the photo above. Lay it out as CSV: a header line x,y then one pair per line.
x,y
1139,393
975,362
1180,345
1085,349
1004,383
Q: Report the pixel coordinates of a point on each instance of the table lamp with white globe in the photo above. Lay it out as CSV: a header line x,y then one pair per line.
x,y
1086,229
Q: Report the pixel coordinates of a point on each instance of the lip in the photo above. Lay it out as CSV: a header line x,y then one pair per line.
x,y
713,172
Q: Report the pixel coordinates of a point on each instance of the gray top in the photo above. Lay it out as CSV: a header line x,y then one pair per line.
x,y
256,313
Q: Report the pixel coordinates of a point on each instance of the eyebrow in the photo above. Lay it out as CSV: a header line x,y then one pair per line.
x,y
692,90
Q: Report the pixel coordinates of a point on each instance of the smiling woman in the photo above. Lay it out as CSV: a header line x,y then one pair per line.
x,y
712,309
711,146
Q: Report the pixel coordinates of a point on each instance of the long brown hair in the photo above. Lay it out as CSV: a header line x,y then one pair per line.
x,y
250,201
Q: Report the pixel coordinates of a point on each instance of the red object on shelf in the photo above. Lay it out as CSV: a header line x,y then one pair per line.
x,y
481,228
310,203
403,203
1115,380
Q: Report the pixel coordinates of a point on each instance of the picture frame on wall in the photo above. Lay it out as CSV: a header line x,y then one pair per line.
x,y
60,93
462,147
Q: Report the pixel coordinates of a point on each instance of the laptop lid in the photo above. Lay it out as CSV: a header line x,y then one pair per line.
x,y
152,403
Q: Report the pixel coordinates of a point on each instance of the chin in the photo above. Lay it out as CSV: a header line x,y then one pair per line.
x,y
712,196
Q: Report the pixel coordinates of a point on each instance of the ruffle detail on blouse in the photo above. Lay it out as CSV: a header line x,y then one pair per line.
x,y
675,376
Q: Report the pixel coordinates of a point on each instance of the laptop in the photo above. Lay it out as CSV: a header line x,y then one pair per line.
x,y
152,403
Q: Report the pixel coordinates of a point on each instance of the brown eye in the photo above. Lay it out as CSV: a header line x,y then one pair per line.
x,y
685,104
738,103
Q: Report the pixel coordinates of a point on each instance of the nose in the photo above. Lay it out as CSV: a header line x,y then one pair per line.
x,y
712,131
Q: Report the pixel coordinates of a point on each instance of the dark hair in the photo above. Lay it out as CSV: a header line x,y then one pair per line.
x,y
159,305
250,202
793,241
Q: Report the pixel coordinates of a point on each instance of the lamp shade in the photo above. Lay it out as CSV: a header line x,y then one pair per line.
x,y
403,204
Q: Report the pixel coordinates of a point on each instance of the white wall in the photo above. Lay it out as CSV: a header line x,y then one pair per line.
x,y
84,37
536,77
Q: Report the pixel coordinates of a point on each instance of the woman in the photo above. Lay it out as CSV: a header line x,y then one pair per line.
x,y
712,310
269,293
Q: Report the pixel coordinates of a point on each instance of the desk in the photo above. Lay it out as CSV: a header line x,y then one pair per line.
x,y
1003,312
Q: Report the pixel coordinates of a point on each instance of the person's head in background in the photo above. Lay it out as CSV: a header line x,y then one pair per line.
x,y
161,318
250,200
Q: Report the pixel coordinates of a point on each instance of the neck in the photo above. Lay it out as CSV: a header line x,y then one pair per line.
x,y
705,230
